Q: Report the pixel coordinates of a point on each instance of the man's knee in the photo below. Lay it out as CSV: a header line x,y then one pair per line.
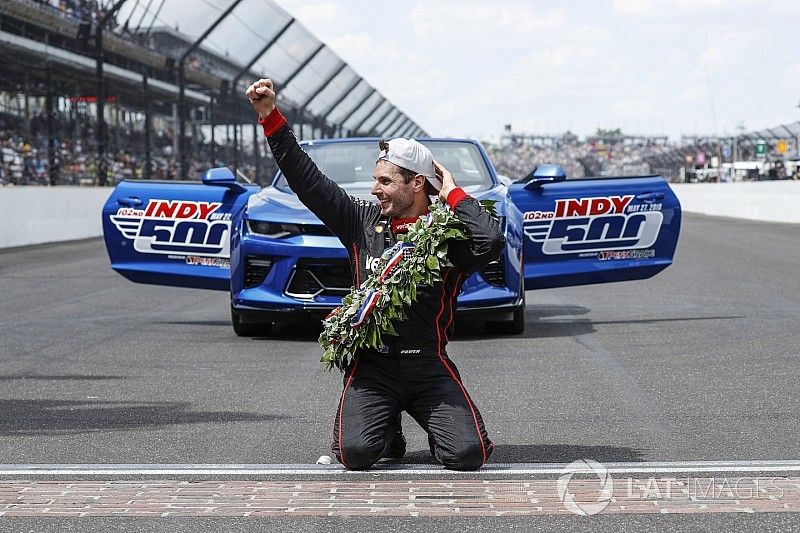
x,y
360,455
466,456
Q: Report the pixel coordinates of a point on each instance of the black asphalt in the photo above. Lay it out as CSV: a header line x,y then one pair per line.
x,y
698,363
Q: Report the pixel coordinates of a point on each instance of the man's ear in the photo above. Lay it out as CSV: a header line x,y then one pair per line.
x,y
419,183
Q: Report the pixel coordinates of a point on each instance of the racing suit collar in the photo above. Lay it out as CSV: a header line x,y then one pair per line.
x,y
400,225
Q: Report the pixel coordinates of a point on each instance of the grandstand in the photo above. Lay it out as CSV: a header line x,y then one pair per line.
x,y
693,158
95,91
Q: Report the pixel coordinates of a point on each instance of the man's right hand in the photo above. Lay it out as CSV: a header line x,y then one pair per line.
x,y
262,96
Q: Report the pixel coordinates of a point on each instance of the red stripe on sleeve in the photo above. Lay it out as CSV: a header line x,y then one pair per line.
x,y
272,122
455,196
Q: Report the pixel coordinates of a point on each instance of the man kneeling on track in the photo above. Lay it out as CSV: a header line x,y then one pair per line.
x,y
412,371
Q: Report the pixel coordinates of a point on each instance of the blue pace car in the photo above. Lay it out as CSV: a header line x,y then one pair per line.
x,y
279,262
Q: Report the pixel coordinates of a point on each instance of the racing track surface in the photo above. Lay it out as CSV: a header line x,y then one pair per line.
x,y
698,363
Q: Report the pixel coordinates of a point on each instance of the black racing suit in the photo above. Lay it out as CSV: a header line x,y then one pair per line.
x,y
412,372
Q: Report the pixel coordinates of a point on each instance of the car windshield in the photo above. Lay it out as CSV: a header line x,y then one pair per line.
x,y
350,164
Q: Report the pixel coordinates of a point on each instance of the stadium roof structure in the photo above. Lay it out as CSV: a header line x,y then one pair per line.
x,y
229,44
776,133
189,61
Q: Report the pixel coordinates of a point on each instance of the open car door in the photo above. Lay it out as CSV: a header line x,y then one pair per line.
x,y
174,233
595,230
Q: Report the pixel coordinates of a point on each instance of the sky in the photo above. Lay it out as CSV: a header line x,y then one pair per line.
x,y
651,67
468,67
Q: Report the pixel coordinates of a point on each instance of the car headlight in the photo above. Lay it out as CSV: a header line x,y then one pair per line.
x,y
274,230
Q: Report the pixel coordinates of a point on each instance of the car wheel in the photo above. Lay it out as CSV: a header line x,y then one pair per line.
x,y
249,329
515,326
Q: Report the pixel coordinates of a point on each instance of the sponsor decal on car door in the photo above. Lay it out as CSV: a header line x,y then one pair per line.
x,y
595,231
172,233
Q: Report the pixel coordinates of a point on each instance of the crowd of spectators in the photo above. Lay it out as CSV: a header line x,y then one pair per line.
x,y
579,159
83,10
24,161
92,11
676,162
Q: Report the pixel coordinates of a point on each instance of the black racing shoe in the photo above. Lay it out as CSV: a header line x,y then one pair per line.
x,y
395,449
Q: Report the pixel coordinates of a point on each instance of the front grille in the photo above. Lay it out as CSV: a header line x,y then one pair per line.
x,y
256,268
495,273
314,277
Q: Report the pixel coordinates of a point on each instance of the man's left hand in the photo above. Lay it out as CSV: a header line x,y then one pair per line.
x,y
448,183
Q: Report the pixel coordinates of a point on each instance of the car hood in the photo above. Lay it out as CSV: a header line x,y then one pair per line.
x,y
271,204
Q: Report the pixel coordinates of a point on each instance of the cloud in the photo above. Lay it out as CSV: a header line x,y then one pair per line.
x,y
318,13
791,78
693,93
660,8
484,22
458,66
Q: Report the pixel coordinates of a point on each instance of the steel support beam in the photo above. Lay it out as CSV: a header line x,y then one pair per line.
x,y
384,117
400,127
182,142
147,142
324,114
102,167
381,100
301,111
405,129
237,105
237,97
52,147
301,66
408,130
775,136
256,151
260,53
323,85
212,120
391,124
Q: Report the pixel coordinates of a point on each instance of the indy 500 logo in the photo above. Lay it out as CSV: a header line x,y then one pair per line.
x,y
176,227
593,225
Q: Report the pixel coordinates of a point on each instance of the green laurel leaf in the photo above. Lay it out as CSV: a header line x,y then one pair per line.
x,y
429,235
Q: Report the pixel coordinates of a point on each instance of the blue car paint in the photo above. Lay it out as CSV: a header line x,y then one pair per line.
x,y
271,204
123,234
547,271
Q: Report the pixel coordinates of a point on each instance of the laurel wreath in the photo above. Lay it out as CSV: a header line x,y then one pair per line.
x,y
372,310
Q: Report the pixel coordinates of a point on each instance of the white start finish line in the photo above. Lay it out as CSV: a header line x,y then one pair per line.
x,y
492,469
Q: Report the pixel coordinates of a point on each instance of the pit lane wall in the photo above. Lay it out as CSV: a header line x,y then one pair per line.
x,y
770,201
36,215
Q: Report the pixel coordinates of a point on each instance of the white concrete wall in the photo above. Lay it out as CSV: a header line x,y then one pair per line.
x,y
34,215
772,201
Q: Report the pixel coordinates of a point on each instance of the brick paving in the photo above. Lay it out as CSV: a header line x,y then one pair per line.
x,y
462,497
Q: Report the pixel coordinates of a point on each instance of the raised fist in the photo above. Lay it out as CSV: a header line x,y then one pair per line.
x,y
262,96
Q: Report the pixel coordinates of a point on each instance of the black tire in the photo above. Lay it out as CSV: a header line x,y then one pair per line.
x,y
515,326
250,329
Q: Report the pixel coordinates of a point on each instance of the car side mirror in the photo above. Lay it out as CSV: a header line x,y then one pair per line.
x,y
545,173
505,180
223,177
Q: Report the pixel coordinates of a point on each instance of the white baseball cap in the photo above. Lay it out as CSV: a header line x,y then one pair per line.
x,y
411,155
